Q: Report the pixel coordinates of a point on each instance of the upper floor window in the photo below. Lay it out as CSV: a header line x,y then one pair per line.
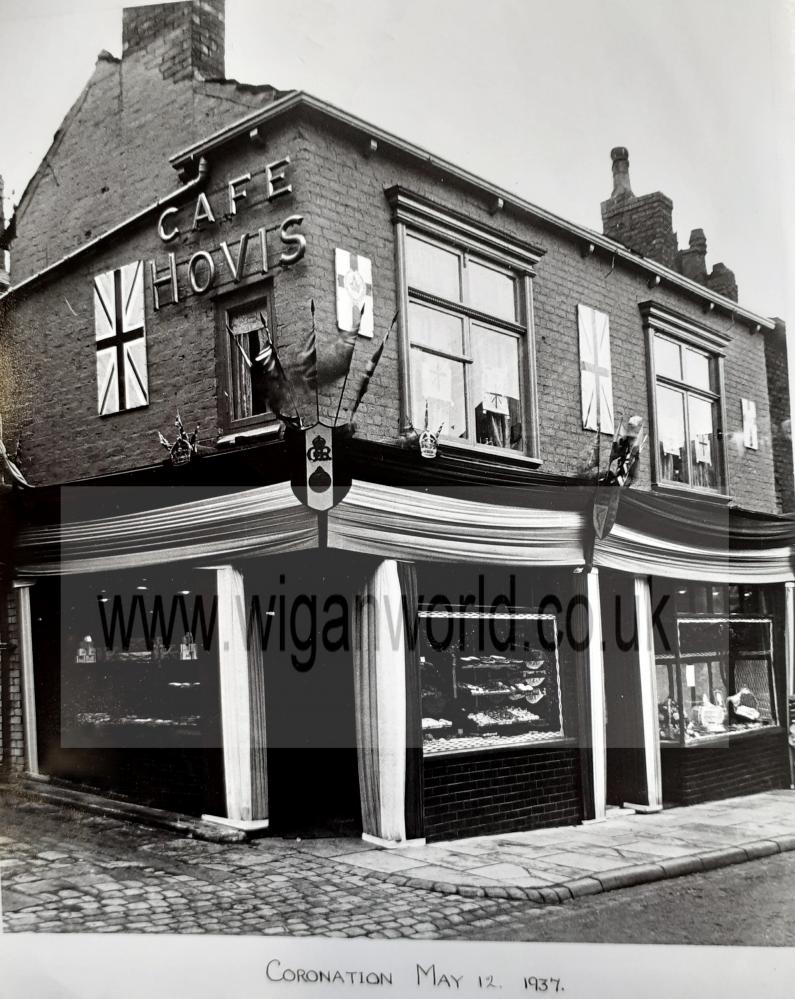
x,y
687,405
467,336
244,325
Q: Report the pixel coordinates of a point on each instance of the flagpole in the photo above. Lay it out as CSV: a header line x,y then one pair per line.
x,y
314,348
350,362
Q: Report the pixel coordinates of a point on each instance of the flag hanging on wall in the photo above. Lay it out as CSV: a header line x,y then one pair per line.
x,y
354,280
596,379
750,430
122,379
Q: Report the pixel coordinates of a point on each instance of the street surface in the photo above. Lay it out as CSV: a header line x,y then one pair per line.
x,y
67,871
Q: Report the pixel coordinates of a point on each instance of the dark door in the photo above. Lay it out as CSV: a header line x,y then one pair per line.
x,y
626,762
313,782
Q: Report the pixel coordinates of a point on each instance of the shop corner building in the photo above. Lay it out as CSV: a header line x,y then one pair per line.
x,y
394,620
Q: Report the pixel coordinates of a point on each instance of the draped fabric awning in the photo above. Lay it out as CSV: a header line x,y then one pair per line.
x,y
641,553
653,536
427,525
232,524
704,524
408,524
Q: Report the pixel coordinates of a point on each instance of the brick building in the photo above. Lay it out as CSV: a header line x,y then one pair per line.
x,y
457,651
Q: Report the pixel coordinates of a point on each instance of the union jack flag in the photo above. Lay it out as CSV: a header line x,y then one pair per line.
x,y
122,379
596,379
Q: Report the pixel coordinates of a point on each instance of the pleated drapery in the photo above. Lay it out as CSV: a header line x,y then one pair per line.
x,y
266,521
411,524
629,550
379,658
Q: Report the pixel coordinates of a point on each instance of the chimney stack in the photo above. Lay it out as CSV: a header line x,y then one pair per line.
x,y
183,39
693,261
644,224
722,281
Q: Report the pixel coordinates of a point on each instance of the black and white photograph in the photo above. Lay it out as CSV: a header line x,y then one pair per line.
x,y
397,509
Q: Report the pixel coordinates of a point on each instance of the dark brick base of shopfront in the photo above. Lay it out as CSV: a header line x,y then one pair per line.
x,y
500,792
743,765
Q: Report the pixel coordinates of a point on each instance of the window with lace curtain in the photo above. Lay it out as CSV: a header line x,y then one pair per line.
x,y
466,329
686,403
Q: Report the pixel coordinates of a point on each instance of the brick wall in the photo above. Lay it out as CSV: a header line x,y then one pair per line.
x,y
780,420
746,765
340,193
498,792
347,204
52,392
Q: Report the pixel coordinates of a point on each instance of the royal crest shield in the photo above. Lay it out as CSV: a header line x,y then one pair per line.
x,y
318,493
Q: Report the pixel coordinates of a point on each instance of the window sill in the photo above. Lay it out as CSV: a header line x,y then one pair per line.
x,y
692,492
554,742
722,739
463,449
267,430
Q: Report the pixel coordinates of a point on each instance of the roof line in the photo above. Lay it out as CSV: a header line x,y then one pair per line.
x,y
299,98
175,195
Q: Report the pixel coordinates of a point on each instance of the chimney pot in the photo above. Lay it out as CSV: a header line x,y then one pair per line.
x,y
621,187
698,241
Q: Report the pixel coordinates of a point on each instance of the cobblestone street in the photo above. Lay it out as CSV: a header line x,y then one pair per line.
x,y
63,870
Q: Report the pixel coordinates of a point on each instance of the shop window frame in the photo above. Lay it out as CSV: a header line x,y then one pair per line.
x,y
733,607
507,743
667,324
447,229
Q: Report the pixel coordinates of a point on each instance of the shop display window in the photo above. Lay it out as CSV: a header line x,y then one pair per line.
x,y
717,678
139,660
488,680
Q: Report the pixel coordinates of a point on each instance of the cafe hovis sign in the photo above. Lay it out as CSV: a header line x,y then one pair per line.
x,y
275,243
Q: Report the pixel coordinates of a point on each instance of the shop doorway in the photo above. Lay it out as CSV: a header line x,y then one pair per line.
x,y
626,760
306,604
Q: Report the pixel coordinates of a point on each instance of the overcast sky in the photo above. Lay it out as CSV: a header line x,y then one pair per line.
x,y
530,94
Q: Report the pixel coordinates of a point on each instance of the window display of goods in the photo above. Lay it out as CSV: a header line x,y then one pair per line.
x,y
429,724
744,705
500,662
501,716
711,717
523,715
517,689
669,718
530,683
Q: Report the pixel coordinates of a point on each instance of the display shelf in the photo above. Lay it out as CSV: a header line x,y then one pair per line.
x,y
448,746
